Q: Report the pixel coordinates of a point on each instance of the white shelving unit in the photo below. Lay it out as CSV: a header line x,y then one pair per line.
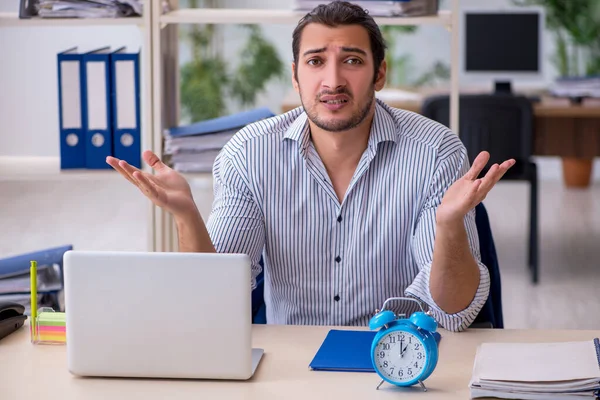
x,y
269,16
164,68
31,168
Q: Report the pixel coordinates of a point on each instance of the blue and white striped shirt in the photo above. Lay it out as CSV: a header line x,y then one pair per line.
x,y
328,263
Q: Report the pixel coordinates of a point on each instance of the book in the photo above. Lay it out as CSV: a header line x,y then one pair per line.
x,y
347,351
531,371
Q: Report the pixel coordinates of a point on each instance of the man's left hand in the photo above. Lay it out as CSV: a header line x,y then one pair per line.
x,y
469,191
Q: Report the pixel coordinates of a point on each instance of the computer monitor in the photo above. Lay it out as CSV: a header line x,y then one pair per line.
x,y
503,45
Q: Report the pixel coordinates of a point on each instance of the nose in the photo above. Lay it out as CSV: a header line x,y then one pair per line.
x,y
333,78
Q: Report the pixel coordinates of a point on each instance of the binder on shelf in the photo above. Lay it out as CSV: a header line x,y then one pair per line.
x,y
194,147
221,124
72,138
96,105
125,90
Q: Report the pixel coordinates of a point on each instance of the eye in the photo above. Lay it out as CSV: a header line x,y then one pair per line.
x,y
314,61
354,61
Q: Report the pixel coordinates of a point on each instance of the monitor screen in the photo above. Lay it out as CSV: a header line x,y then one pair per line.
x,y
503,42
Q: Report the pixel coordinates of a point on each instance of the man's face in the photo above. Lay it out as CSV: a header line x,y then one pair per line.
x,y
335,76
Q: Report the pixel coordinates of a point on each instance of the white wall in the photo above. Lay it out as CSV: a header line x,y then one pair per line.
x,y
29,80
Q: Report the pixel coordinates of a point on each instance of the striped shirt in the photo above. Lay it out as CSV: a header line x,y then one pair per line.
x,y
328,263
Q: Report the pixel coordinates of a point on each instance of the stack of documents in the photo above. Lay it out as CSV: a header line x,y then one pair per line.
x,y
194,148
88,8
563,370
15,279
577,87
383,8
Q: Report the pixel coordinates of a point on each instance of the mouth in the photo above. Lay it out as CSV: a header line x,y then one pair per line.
x,y
335,100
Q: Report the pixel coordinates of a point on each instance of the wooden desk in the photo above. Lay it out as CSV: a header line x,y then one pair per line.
x,y
29,372
571,132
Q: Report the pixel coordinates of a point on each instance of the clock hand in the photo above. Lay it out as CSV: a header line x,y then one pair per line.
x,y
401,351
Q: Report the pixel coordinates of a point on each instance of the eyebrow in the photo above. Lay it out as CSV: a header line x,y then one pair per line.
x,y
344,49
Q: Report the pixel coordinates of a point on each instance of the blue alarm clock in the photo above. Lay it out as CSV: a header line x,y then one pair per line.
x,y
404,351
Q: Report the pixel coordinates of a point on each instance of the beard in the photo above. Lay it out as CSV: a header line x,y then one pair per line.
x,y
353,121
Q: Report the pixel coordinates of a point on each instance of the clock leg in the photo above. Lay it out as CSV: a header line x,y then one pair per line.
x,y
423,386
380,383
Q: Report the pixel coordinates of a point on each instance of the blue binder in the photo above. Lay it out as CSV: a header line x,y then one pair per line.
x,y
15,279
125,90
20,264
96,107
347,351
225,123
72,138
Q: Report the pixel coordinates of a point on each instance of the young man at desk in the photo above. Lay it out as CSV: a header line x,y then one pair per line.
x,y
348,201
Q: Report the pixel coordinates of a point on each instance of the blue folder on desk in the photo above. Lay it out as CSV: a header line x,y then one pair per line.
x,y
347,351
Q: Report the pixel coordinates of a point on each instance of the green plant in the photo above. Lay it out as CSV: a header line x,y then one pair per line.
x,y
576,26
207,81
399,66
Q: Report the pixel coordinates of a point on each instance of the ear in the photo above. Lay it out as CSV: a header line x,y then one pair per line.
x,y
381,75
294,81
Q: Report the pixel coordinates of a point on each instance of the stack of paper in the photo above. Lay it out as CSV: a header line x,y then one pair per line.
x,y
383,8
577,87
564,370
88,8
194,148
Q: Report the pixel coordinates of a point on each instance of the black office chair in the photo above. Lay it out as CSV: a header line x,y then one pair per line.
x,y
490,315
501,124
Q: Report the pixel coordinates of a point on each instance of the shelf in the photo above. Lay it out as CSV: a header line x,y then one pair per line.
x,y
21,168
266,16
13,20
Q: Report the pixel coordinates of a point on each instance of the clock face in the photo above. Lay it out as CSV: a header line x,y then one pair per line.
x,y
400,356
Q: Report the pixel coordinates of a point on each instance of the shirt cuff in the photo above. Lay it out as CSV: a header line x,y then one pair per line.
x,y
458,321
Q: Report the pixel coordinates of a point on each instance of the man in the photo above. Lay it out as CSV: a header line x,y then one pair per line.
x,y
348,201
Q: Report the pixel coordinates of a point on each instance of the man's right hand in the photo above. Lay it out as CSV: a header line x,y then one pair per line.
x,y
167,189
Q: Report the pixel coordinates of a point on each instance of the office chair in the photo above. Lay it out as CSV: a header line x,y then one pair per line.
x,y
490,315
501,124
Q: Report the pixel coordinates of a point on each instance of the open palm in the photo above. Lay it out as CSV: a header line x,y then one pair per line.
x,y
167,189
469,191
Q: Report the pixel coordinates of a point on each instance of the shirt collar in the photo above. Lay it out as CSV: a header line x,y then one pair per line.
x,y
299,130
383,128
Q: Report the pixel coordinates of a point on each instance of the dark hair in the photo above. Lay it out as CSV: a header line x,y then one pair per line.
x,y
338,13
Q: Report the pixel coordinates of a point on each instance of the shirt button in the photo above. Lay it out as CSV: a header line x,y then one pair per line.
x,y
339,219
338,259
337,297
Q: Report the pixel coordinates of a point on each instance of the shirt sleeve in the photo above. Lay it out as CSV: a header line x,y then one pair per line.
x,y
449,169
236,223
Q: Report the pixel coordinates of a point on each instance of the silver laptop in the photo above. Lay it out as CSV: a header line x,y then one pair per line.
x,y
159,315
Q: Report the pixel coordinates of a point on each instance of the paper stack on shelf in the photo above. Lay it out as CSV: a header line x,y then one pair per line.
x,y
383,8
80,8
577,87
194,147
